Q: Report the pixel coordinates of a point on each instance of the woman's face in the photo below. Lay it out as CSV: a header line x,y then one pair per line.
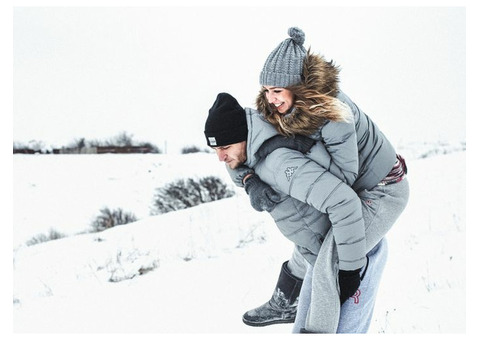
x,y
280,97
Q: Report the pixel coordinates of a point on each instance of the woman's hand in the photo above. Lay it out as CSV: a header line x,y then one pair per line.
x,y
349,281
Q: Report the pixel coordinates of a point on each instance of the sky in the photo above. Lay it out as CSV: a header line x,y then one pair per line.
x,y
154,71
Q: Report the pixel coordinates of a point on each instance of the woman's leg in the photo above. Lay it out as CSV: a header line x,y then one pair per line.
x,y
356,313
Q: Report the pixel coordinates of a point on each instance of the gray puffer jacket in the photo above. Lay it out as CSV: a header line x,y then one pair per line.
x,y
314,199
355,152
360,154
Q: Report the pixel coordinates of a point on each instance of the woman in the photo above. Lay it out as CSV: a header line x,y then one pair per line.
x,y
300,96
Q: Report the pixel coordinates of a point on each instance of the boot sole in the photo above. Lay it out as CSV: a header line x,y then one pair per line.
x,y
267,323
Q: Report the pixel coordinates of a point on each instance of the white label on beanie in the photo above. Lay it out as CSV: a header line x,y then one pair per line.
x,y
212,141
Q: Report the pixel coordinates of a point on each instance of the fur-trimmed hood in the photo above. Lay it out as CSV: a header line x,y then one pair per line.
x,y
314,100
320,75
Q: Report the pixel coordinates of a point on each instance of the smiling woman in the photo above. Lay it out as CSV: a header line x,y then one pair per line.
x,y
279,97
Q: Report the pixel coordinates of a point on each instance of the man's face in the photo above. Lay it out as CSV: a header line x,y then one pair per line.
x,y
233,155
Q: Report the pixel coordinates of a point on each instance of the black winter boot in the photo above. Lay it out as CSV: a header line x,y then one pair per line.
x,y
282,307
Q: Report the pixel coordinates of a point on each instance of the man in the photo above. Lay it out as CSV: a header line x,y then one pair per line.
x,y
313,206
226,132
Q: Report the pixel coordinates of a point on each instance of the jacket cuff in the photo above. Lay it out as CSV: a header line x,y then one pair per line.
x,y
237,175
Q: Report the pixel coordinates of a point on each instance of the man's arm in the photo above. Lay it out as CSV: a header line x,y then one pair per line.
x,y
293,174
262,196
239,174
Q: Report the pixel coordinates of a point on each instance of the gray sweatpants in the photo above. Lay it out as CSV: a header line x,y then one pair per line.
x,y
381,207
356,313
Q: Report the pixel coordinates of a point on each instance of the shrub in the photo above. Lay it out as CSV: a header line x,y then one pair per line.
x,y
215,188
194,149
183,194
111,218
191,149
40,238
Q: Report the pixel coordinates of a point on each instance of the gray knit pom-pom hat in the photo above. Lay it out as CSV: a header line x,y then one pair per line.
x,y
284,65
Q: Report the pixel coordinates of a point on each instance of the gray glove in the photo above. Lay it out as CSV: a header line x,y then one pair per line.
x,y
262,196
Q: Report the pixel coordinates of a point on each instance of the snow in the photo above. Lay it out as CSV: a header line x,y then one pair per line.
x,y
203,267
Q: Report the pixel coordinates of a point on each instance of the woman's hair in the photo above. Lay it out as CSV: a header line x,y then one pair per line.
x,y
314,100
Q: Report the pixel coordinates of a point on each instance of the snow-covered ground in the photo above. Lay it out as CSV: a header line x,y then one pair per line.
x,y
205,266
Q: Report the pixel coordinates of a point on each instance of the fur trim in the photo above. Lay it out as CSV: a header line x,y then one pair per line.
x,y
314,100
320,75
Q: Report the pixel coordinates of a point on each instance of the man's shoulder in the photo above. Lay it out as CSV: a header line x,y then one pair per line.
x,y
251,111
254,115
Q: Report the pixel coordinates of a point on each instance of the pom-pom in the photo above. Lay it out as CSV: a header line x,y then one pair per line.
x,y
297,35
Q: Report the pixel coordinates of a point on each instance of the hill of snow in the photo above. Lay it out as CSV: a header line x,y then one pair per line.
x,y
198,270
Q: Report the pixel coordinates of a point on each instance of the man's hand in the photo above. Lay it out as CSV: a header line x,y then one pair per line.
x,y
349,281
262,196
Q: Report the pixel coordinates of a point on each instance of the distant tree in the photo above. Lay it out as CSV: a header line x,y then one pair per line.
x,y
77,143
122,139
33,146
36,145
19,147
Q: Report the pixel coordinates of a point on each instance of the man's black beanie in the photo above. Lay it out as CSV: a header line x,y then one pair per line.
x,y
226,123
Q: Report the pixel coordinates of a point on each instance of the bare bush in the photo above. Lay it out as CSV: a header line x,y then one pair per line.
x,y
40,238
111,218
186,193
